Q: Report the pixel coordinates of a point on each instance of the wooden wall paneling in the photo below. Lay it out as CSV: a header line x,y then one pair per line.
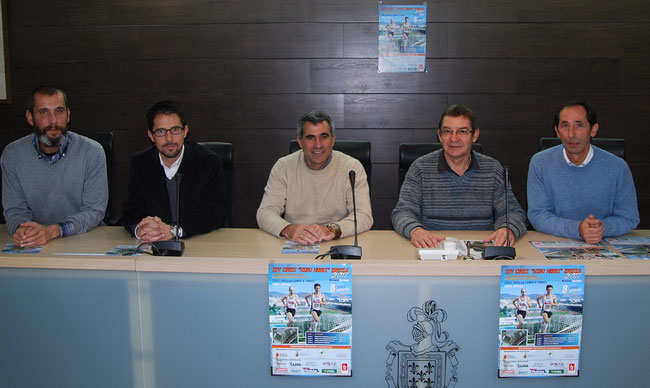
x,y
284,110
106,113
359,76
506,111
73,76
392,110
292,40
509,146
211,76
344,11
59,13
437,40
472,11
360,40
75,43
578,11
544,40
442,76
427,135
384,142
13,115
575,76
194,41
475,75
145,12
255,145
634,76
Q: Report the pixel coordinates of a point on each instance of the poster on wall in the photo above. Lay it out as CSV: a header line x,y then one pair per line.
x,y
540,320
402,38
310,319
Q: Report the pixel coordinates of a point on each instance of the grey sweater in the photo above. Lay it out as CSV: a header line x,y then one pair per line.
x,y
436,198
74,189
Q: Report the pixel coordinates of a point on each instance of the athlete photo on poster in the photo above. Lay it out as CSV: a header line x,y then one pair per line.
x,y
540,320
310,319
402,38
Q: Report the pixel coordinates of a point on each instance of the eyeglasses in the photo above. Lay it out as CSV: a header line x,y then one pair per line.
x,y
160,132
459,132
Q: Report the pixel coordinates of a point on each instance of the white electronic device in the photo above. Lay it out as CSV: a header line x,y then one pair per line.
x,y
448,249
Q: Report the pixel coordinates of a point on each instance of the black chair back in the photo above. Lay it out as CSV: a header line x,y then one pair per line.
x,y
615,146
358,149
224,151
408,152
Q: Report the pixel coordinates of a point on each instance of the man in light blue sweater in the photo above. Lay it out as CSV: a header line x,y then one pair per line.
x,y
53,181
577,190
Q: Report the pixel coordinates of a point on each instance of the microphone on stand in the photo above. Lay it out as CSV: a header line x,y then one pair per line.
x,y
171,247
507,252
349,252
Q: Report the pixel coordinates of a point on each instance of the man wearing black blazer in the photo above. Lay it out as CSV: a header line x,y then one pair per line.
x,y
150,209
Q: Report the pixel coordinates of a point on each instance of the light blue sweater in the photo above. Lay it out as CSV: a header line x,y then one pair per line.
x,y
560,196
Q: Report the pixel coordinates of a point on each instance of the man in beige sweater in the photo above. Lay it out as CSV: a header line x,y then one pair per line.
x,y
311,188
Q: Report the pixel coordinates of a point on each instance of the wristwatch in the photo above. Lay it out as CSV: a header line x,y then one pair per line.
x,y
336,229
176,230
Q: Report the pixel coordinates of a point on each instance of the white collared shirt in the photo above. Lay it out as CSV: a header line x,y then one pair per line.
x,y
171,171
584,163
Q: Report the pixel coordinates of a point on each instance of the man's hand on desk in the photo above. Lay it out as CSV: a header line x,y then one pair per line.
x,y
422,238
307,234
32,234
592,230
152,229
499,238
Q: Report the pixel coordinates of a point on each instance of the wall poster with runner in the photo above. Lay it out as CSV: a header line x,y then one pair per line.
x,y
402,38
310,319
540,320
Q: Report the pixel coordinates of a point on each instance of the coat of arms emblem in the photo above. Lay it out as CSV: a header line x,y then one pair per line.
x,y
431,361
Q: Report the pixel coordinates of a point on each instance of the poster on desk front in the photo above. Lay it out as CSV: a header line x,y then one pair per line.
x,y
402,38
540,320
310,319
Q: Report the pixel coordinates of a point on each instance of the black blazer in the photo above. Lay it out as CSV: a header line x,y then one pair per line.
x,y
202,203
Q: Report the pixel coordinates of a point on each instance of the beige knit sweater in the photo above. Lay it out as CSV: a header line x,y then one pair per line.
x,y
308,196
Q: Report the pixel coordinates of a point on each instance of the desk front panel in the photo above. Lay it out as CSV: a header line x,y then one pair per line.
x,y
212,330
69,328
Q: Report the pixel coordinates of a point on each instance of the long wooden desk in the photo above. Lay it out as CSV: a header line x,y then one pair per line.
x,y
73,320
249,251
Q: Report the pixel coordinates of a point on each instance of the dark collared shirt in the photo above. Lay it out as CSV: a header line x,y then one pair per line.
x,y
443,166
322,167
